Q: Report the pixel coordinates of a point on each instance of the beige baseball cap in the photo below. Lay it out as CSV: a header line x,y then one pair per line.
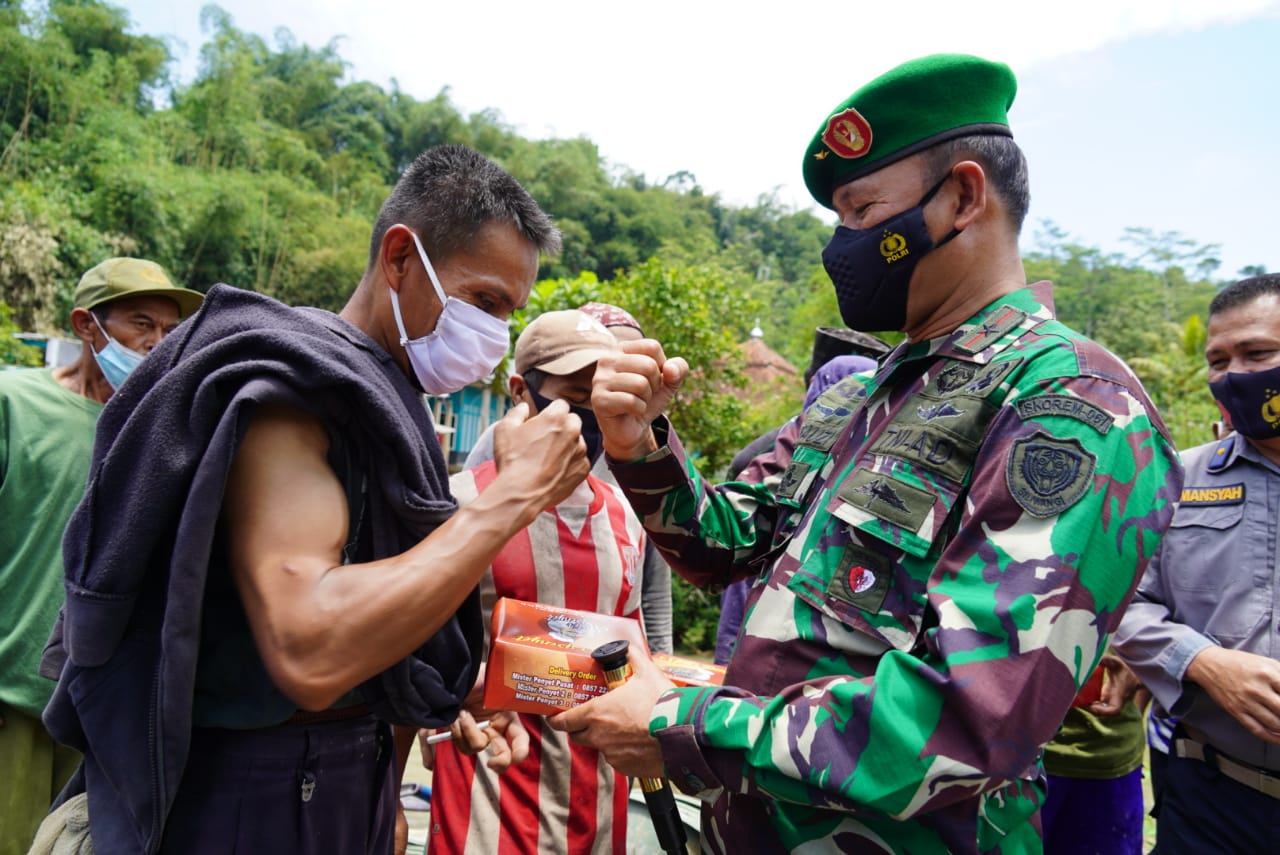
x,y
117,278
562,343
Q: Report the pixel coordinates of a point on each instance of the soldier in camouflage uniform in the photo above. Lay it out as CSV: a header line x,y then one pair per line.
x,y
941,561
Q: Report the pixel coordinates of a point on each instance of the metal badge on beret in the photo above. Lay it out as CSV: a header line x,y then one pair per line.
x,y
848,134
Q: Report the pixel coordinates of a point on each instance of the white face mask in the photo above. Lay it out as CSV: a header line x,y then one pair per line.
x,y
466,345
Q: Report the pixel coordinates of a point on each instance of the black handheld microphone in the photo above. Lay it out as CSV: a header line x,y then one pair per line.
x,y
612,657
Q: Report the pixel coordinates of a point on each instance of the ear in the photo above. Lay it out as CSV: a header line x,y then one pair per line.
x,y
395,253
517,387
84,325
971,192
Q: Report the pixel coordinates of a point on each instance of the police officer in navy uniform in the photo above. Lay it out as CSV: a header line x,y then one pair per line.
x,y
1202,630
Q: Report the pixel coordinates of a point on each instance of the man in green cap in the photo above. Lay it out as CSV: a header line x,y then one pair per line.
x,y
941,561
122,308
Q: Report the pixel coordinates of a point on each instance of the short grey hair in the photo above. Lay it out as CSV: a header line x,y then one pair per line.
x,y
1003,161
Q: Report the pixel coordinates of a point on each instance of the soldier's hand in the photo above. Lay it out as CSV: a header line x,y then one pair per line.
x,y
542,458
617,723
1244,684
631,389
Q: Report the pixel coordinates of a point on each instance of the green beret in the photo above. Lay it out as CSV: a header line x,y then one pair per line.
x,y
916,105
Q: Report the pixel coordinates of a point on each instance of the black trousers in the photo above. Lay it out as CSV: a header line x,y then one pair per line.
x,y
1202,812
297,788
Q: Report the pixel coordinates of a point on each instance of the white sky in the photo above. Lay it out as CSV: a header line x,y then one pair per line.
x,y
1150,113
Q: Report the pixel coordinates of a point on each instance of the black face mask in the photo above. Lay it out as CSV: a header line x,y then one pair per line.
x,y
1252,402
590,427
871,268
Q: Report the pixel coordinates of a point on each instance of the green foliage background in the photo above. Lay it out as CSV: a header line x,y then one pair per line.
x,y
268,169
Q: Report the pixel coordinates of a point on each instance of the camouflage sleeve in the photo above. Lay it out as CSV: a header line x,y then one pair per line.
x,y
1063,511
702,530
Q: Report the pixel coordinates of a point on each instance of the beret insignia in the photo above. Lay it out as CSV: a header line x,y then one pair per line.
x,y
848,134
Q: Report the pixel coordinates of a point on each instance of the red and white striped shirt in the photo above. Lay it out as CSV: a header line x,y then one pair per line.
x,y
562,798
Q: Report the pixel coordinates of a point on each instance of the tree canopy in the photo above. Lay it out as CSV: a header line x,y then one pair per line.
x,y
266,171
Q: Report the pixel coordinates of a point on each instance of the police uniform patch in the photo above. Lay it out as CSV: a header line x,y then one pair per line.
x,y
1199,497
1046,475
861,578
1070,406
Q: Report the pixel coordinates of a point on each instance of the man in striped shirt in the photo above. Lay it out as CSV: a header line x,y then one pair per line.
x,y
585,553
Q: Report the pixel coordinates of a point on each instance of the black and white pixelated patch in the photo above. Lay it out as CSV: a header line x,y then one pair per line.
x,y
1047,475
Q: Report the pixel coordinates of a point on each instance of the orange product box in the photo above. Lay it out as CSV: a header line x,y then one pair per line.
x,y
540,656
689,672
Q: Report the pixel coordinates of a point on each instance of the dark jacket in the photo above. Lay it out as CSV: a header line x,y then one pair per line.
x,y
138,546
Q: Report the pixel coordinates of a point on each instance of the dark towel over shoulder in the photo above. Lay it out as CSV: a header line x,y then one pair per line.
x,y
137,547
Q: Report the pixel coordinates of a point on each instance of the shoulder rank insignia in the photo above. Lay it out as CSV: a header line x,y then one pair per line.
x,y
991,330
1047,475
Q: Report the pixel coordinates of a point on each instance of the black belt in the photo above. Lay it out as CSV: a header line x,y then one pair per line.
x,y
1267,783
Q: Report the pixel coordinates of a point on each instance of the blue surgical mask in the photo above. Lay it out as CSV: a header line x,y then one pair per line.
x,y
116,361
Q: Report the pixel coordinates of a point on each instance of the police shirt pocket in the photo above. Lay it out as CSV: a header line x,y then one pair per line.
x,y
1213,585
1199,531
